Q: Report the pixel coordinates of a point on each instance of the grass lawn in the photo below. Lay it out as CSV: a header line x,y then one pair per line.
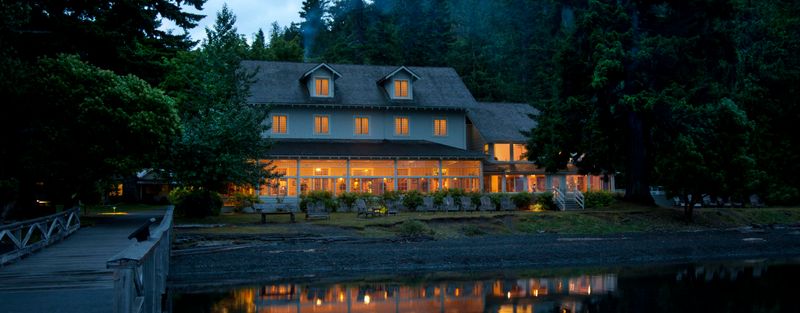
x,y
620,217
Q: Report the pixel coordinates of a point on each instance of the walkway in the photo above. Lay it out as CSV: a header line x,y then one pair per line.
x,y
70,276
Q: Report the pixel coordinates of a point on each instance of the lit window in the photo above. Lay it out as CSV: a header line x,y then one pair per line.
x,y
401,88
401,126
279,124
321,124
440,127
362,125
322,87
519,152
502,152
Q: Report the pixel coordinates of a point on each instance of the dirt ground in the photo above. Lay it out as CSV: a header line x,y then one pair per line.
x,y
320,252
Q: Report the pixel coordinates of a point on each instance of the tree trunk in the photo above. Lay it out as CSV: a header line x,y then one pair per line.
x,y
637,175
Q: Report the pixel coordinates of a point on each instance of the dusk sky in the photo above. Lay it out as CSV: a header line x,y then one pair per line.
x,y
250,15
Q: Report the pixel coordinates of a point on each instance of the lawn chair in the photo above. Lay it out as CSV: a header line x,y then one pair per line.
x,y
427,204
486,204
755,201
317,211
361,208
466,204
449,205
506,204
392,207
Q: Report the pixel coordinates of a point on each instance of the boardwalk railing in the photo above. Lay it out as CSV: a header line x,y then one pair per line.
x,y
140,271
26,237
558,198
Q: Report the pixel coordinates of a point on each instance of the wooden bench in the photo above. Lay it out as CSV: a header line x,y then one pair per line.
x,y
264,215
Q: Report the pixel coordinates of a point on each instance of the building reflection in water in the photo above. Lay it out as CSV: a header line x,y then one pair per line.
x,y
520,295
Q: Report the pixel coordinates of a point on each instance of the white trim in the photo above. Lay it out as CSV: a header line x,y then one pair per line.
x,y
408,126
446,127
330,86
272,122
314,69
369,125
314,125
409,89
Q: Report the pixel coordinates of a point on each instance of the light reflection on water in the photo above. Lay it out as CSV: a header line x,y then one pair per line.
x,y
633,289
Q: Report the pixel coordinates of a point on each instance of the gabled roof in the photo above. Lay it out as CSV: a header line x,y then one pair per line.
x,y
404,149
402,68
502,121
275,83
314,69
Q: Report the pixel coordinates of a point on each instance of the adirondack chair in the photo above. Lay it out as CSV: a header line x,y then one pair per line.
x,y
392,207
427,204
317,211
506,204
466,204
486,204
449,205
361,208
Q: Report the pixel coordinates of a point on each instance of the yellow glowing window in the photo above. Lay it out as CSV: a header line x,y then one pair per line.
x,y
401,126
401,88
279,124
519,152
362,125
321,124
440,127
502,152
322,85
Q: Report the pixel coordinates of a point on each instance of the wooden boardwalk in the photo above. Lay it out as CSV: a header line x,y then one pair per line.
x,y
70,276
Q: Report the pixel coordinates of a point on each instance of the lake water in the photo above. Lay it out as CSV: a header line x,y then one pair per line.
x,y
747,286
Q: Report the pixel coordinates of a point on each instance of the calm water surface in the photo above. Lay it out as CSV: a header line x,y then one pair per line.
x,y
720,287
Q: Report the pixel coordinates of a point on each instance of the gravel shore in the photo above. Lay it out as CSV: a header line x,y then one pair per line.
x,y
280,258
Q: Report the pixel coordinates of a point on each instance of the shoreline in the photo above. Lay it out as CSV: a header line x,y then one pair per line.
x,y
310,259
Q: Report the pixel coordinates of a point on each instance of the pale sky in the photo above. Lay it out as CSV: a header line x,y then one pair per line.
x,y
250,16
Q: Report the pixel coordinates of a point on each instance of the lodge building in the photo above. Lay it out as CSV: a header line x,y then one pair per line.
x,y
363,128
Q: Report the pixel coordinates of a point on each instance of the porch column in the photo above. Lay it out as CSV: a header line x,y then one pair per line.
x,y
588,182
297,179
441,183
563,185
503,182
258,185
395,175
548,182
347,174
480,176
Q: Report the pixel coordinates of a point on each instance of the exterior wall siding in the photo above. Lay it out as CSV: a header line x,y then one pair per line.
x,y
300,125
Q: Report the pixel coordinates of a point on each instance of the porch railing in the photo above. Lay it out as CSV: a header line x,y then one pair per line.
x,y
26,237
579,199
140,271
558,198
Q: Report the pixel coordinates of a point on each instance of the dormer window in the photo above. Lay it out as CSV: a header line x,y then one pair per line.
x,y
322,87
399,84
320,81
401,88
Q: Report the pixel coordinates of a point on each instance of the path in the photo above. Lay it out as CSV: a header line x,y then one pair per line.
x,y
70,276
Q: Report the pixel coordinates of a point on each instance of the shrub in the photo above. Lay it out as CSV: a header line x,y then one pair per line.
x,y
318,196
392,196
196,203
598,199
495,197
412,200
545,200
522,200
242,200
476,198
348,199
414,229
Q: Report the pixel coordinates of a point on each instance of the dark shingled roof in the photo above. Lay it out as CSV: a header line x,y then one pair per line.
x,y
501,121
410,149
279,83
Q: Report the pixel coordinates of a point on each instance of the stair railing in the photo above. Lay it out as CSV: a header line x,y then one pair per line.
x,y
558,198
579,199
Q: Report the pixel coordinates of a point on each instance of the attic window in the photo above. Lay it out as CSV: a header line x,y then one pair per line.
x,y
322,87
401,88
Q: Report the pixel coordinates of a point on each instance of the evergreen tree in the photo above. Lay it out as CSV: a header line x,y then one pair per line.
x,y
222,133
259,49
